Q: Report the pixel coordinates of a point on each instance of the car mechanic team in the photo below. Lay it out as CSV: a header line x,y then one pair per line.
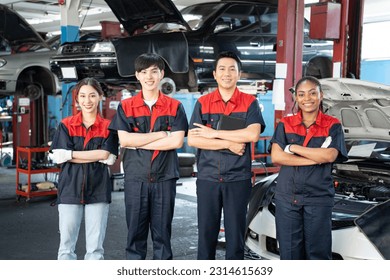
x,y
150,127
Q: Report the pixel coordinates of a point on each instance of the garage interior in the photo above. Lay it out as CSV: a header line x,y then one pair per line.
x,y
28,118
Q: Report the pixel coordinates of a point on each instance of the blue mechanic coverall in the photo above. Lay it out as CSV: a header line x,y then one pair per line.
x,y
150,176
304,195
224,178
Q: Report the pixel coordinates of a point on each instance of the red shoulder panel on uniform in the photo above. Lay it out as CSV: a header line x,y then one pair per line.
x,y
76,129
212,103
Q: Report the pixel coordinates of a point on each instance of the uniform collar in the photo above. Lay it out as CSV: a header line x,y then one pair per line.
x,y
138,100
77,120
320,121
234,99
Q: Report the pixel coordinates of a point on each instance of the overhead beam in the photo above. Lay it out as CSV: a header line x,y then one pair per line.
x,y
90,21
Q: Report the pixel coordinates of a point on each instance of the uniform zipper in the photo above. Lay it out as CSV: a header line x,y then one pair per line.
x,y
84,174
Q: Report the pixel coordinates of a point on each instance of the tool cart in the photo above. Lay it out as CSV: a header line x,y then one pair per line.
x,y
25,164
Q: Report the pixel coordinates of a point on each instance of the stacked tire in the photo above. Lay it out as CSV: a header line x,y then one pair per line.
x,y
186,164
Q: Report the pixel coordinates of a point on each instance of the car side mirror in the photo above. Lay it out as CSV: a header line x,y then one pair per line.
x,y
222,27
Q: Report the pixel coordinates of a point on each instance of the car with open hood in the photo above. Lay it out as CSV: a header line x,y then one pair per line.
x,y
188,41
24,62
25,55
361,213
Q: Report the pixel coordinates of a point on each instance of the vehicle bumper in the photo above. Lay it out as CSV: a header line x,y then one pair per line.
x,y
101,68
7,87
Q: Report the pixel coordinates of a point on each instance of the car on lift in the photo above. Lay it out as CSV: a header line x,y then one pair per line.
x,y
25,55
188,42
25,69
360,218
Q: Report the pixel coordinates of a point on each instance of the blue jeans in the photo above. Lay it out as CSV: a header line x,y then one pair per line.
x,y
70,216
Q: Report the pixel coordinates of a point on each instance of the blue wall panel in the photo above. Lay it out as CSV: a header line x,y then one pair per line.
x,y
268,112
375,71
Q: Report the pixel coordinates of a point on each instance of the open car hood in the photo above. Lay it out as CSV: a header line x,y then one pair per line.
x,y
136,14
15,31
362,107
374,224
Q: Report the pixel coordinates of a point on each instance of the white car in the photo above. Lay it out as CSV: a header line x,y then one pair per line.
x,y
25,55
361,214
25,70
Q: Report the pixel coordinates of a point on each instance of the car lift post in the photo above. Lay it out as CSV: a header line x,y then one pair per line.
x,y
289,51
342,22
69,33
348,48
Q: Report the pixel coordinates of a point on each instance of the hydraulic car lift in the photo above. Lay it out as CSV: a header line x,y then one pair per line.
x,y
29,123
346,48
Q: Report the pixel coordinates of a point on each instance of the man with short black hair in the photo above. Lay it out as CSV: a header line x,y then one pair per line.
x,y
151,126
224,158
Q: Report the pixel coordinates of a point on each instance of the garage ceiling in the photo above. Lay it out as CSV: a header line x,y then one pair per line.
x,y
45,14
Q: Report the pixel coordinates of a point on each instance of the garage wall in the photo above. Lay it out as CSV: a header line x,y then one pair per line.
x,y
375,71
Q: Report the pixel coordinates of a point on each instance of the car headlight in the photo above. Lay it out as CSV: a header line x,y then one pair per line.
x,y
2,62
100,47
59,50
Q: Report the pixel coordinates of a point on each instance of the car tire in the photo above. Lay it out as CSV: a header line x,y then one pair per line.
x,y
192,81
186,171
33,91
319,67
186,159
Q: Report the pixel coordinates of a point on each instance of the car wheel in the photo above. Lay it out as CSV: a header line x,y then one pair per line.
x,y
33,91
186,159
186,171
319,67
168,86
192,81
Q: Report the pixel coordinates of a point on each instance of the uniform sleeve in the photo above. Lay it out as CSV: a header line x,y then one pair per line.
x,y
279,137
61,139
119,121
180,123
338,142
111,143
254,115
196,115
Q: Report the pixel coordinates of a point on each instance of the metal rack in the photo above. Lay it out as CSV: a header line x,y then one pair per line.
x,y
29,171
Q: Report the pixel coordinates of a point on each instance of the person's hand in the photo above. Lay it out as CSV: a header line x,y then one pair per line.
x,y
203,131
287,149
327,142
110,160
61,155
237,148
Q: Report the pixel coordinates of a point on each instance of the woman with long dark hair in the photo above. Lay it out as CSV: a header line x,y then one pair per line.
x,y
84,146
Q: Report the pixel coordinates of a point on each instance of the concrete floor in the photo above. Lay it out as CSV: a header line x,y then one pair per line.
x,y
29,230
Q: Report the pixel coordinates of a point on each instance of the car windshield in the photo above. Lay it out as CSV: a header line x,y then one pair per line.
x,y
195,16
166,27
368,149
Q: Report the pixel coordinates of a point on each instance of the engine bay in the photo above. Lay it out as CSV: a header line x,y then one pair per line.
x,y
361,183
